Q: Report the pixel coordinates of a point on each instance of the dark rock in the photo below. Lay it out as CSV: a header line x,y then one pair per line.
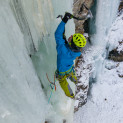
x,y
76,109
64,121
121,5
116,55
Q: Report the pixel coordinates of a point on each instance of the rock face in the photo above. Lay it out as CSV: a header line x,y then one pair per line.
x,y
80,27
77,5
117,54
121,5
82,86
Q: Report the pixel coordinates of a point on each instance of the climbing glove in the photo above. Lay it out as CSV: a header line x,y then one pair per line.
x,y
66,17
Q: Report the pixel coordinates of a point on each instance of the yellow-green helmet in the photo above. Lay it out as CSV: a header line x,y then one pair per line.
x,y
79,40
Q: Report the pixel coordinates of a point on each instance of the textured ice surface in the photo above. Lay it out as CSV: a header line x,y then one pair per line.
x,y
106,11
21,98
27,29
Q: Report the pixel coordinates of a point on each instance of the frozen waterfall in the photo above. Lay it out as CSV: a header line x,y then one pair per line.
x,y
105,12
27,52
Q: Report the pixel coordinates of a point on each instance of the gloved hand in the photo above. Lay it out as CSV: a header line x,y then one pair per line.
x,y
66,17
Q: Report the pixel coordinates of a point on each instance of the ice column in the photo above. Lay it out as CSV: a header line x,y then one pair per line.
x,y
105,14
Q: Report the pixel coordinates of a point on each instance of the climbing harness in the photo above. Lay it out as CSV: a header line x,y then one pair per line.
x,y
52,85
64,73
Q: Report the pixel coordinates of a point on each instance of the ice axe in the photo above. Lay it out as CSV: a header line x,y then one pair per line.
x,y
89,11
72,16
89,14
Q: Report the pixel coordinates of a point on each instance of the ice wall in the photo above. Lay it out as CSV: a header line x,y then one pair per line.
x,y
115,35
27,29
20,92
105,12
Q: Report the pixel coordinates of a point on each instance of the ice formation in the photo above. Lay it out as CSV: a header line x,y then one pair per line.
x,y
27,52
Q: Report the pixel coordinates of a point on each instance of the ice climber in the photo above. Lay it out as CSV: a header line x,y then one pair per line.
x,y
67,52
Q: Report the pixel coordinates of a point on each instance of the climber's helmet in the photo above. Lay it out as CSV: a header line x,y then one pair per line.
x,y
78,41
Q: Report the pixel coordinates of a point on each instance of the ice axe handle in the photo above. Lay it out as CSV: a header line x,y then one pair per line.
x,y
77,18
60,16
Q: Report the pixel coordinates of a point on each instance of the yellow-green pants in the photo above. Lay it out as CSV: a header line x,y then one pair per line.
x,y
64,84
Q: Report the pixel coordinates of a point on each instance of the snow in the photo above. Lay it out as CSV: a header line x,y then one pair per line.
x,y
116,34
104,104
105,100
120,69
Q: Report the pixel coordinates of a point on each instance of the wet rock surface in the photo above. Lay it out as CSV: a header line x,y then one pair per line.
x,y
77,5
81,26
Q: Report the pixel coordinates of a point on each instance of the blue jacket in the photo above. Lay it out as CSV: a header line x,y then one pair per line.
x,y
65,55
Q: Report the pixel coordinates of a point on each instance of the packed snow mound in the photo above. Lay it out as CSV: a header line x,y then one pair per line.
x,y
105,102
115,34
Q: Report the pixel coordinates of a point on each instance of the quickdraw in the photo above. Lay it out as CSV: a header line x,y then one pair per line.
x,y
52,85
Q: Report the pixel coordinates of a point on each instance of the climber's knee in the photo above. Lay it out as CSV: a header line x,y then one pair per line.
x,y
66,88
